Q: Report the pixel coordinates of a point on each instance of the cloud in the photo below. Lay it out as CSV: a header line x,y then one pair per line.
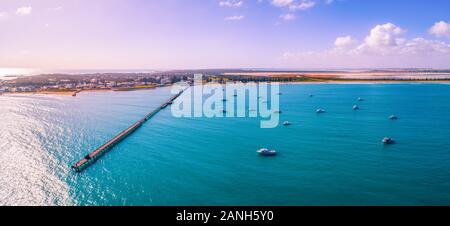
x,y
303,5
3,15
345,42
424,47
329,2
282,3
23,11
440,29
288,16
234,18
383,38
294,5
384,46
231,3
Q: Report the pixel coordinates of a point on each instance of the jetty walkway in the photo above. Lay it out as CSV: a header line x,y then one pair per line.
x,y
99,152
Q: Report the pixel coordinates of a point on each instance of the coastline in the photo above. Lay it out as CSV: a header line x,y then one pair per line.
x,y
338,82
70,92
367,82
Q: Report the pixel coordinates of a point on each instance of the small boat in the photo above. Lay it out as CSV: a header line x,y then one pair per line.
x,y
320,111
388,140
235,95
360,99
277,112
266,152
310,95
393,117
224,100
287,123
355,107
224,111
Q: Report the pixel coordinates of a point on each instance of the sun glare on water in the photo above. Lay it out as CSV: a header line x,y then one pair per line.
x,y
13,72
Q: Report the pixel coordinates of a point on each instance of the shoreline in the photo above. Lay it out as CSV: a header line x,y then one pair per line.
x,y
71,92
337,82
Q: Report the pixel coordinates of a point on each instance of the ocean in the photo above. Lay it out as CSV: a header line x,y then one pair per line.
x,y
335,158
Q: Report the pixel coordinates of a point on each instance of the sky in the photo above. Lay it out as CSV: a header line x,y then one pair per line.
x,y
201,34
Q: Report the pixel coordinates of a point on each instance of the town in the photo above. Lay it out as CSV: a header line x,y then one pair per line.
x,y
65,83
75,83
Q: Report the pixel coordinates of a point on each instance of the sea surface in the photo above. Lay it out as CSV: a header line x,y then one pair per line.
x,y
335,158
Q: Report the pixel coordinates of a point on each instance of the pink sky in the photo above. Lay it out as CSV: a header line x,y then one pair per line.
x,y
185,34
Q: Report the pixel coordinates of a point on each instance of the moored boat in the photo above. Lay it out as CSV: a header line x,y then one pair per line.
x,y
320,110
393,117
388,140
266,152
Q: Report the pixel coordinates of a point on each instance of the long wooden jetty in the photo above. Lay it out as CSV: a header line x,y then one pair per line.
x,y
99,152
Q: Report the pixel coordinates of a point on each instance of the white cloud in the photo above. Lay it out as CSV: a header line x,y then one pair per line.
x,y
237,17
345,42
441,29
424,47
22,11
383,39
288,16
302,5
294,5
383,47
282,3
329,2
231,3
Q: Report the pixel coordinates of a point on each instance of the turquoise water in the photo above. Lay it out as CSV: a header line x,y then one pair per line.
x,y
334,158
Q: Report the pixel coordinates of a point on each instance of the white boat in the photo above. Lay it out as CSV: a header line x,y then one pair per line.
x,y
320,110
266,152
393,117
388,140
287,123
355,107
360,99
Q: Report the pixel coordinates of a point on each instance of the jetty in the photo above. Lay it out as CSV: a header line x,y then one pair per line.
x,y
99,152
